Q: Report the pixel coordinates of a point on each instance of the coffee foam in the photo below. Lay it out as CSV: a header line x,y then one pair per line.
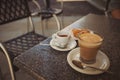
x,y
92,38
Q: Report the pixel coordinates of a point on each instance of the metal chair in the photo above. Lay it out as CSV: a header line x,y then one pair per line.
x,y
101,4
47,13
9,62
53,11
12,10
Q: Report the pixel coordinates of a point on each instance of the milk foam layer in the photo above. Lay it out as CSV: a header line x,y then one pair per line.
x,y
90,40
88,37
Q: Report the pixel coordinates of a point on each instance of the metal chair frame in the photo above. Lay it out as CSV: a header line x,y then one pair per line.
x,y
103,8
30,20
42,12
9,61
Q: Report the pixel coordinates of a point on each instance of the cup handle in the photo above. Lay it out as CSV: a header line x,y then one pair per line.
x,y
54,36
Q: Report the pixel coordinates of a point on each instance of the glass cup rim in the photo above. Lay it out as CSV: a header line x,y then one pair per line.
x,y
92,42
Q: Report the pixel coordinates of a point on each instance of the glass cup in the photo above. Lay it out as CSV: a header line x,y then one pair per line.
x,y
89,45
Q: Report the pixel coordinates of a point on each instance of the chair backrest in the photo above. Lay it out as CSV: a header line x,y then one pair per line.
x,y
11,10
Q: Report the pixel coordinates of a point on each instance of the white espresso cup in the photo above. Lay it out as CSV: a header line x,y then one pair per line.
x,y
61,39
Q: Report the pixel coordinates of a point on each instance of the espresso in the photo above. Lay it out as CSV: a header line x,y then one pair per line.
x,y
89,46
63,35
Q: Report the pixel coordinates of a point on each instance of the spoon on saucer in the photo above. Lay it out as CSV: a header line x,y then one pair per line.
x,y
81,66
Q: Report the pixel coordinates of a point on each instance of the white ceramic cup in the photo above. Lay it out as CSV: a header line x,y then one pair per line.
x,y
61,39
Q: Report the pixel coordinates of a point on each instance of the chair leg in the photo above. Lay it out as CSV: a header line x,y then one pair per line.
x,y
57,21
9,62
62,15
41,25
106,8
106,13
37,4
31,24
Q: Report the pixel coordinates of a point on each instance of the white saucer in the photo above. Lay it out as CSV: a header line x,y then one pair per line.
x,y
71,44
102,62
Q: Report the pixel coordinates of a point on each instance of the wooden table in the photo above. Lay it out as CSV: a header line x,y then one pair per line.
x,y
45,63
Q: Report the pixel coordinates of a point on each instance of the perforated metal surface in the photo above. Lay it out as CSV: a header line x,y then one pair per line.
x,y
11,10
22,43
